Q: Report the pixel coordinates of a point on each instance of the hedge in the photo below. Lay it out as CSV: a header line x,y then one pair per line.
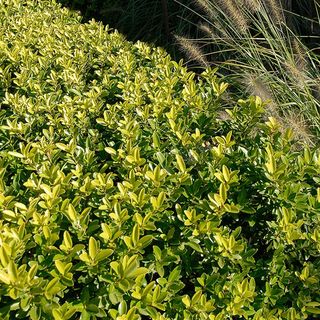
x,y
124,194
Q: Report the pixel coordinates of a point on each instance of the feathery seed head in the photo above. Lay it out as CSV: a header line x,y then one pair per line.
x,y
205,6
255,86
254,5
205,28
233,11
297,75
300,56
275,10
299,127
192,50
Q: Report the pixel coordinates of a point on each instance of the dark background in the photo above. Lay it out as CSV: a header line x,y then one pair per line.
x,y
155,21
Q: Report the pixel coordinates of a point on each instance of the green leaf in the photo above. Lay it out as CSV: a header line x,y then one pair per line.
x,y
62,146
180,163
312,304
57,315
72,214
187,302
226,173
52,287
122,308
85,315
145,241
93,248
195,246
32,272
157,252
147,289
103,254
196,297
135,234
174,274
12,271
137,272
4,277
70,312
4,258
110,151
60,266
131,314
16,154
115,266
85,257
35,313
67,240
313,310
223,192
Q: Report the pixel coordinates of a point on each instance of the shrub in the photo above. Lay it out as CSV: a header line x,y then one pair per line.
x,y
125,195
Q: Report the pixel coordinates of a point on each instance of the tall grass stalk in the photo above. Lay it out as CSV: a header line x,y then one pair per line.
x,y
258,50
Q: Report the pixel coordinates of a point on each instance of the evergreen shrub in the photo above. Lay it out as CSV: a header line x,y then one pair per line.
x,y
126,192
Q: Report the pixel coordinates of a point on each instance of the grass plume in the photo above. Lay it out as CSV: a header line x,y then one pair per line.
x,y
260,54
231,8
275,10
192,50
253,5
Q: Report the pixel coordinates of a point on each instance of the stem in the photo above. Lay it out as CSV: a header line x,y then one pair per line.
x,y
165,16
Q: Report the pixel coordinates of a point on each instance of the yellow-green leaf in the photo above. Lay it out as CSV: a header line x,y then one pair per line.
x,y
12,271
93,248
103,254
72,214
180,163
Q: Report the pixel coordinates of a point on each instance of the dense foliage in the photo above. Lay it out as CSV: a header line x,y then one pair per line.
x,y
127,193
